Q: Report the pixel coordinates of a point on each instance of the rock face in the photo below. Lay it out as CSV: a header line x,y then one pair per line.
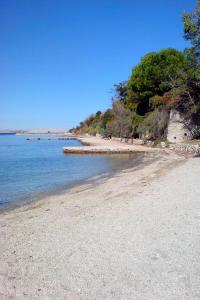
x,y
177,132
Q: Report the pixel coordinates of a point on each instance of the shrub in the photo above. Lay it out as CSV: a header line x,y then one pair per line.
x,y
154,125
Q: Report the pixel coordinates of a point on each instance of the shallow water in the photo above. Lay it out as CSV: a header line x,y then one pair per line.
x,y
30,168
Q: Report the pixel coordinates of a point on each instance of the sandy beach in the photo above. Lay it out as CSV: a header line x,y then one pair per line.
x,y
135,235
91,144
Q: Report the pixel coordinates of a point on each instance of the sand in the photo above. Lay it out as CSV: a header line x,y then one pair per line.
x,y
135,235
106,146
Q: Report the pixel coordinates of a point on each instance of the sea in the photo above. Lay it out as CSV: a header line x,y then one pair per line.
x,y
32,169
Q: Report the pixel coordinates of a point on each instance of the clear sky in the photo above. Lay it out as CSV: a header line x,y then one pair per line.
x,y
59,59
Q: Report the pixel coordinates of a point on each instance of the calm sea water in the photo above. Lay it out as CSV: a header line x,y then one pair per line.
x,y
31,168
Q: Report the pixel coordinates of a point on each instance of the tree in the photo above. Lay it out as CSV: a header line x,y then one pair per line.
x,y
192,29
98,113
106,118
157,74
120,91
122,120
155,69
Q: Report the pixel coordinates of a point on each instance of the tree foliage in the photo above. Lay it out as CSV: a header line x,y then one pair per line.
x,y
122,124
192,29
155,70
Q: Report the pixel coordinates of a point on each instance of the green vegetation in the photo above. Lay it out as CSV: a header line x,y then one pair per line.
x,y
164,80
192,30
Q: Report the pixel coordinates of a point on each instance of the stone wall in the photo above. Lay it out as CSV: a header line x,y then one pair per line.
x,y
177,132
185,148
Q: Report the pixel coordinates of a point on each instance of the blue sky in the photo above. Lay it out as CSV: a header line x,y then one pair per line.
x,y
59,59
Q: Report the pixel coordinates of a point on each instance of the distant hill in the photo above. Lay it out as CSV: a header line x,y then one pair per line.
x,y
36,131
10,131
46,131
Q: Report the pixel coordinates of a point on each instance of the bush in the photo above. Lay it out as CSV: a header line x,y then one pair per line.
x,y
156,101
154,125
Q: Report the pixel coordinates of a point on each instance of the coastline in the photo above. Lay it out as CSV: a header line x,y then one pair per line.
x,y
97,145
152,166
113,148
132,162
126,237
90,145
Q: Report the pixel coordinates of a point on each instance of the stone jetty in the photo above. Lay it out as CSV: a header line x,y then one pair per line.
x,y
50,138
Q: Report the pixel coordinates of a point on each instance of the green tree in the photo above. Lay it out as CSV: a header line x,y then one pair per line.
x,y
192,29
106,118
157,74
150,77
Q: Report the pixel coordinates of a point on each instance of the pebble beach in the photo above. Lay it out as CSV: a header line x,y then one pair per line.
x,y
134,235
